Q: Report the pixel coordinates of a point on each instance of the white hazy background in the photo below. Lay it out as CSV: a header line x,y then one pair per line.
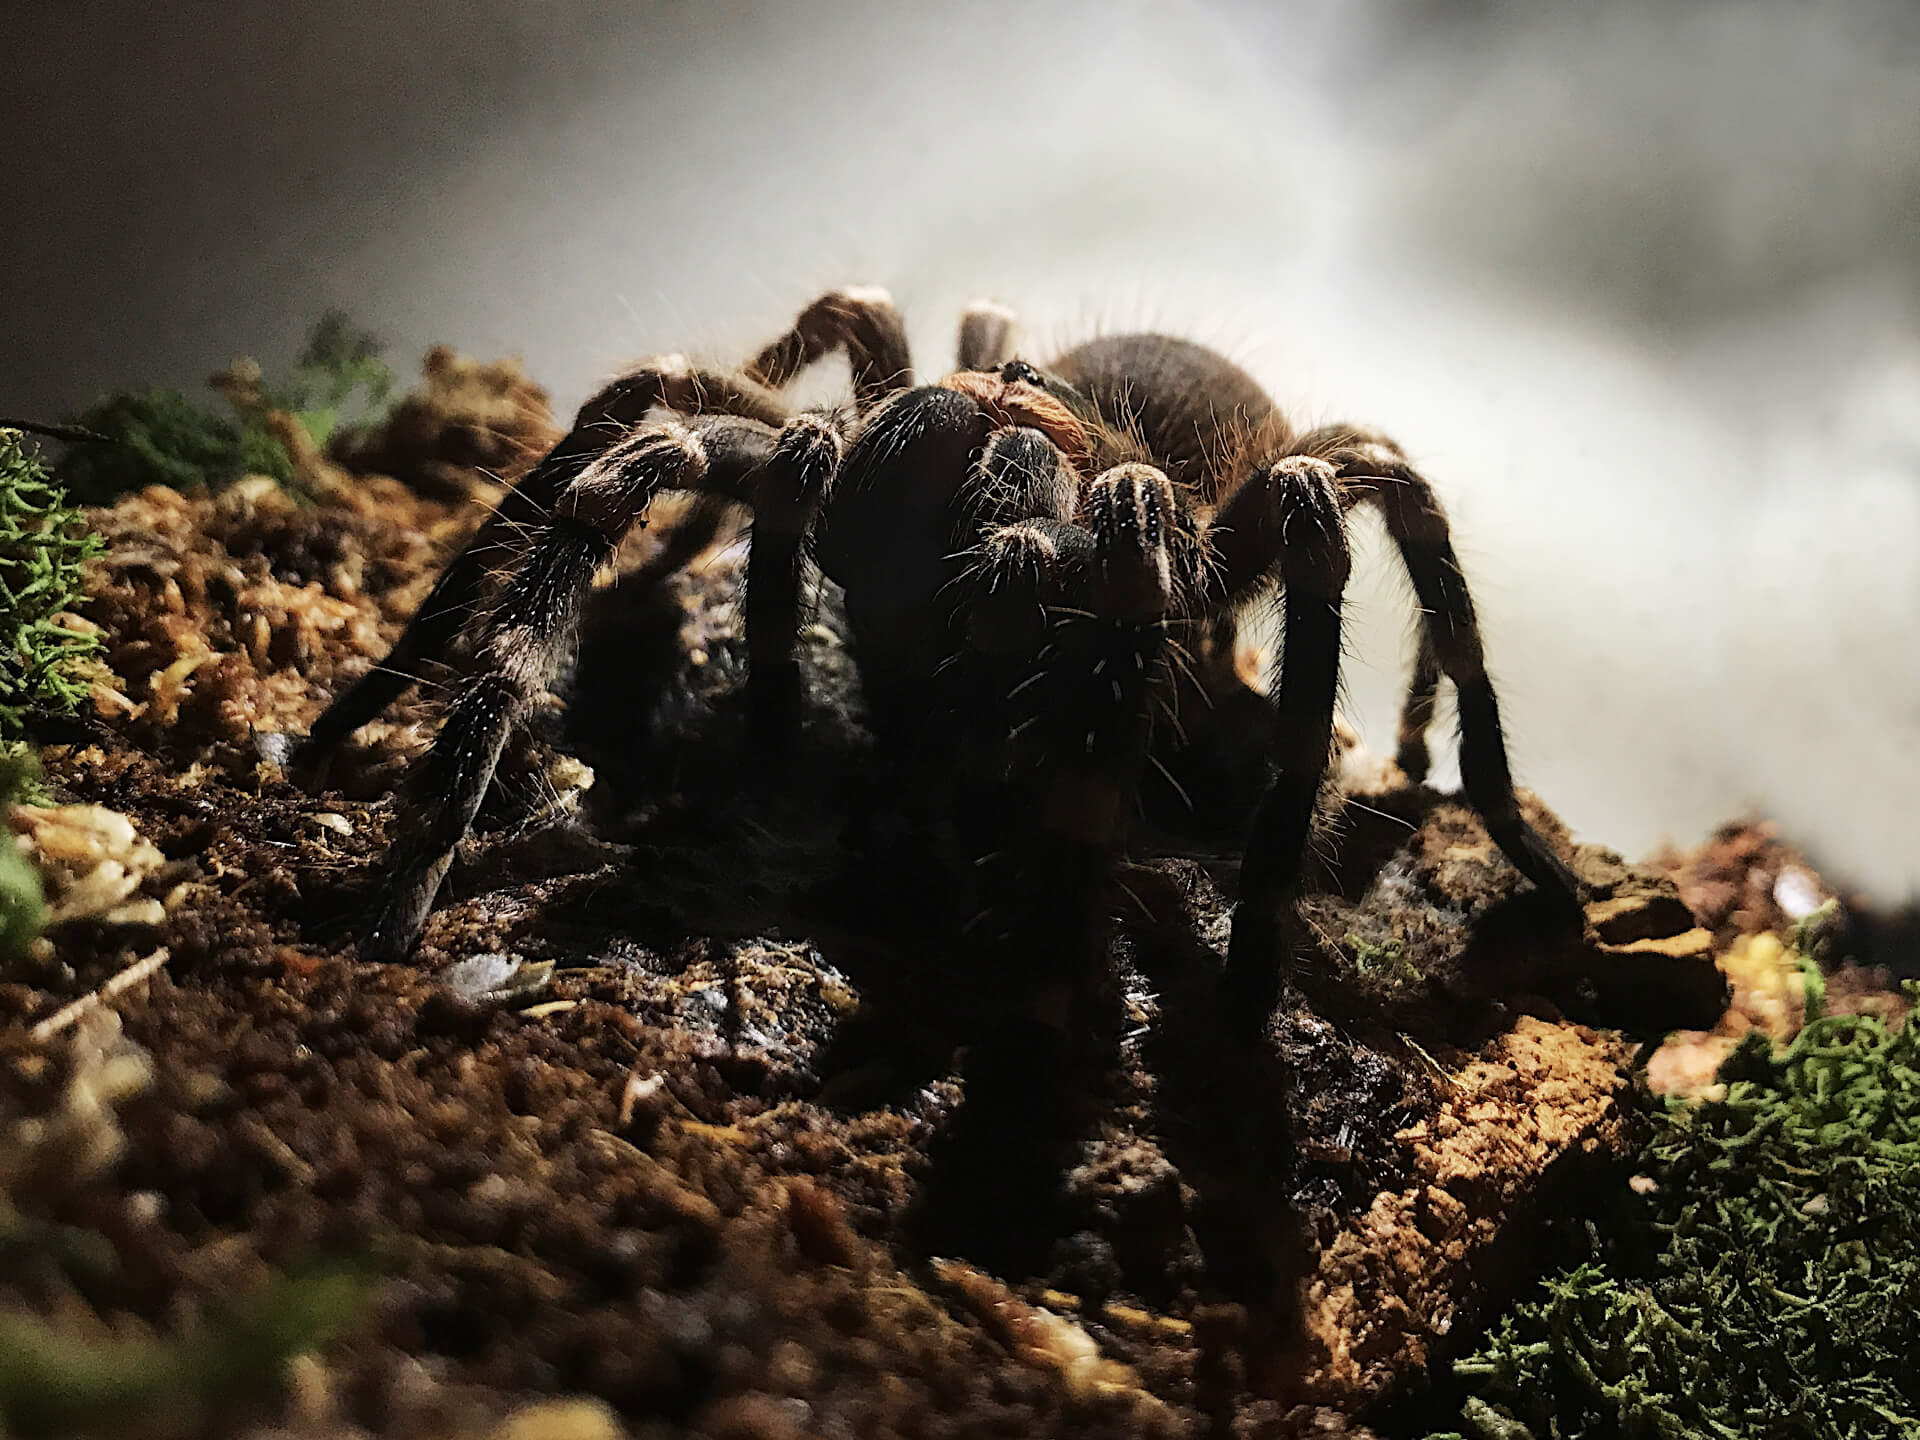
x,y
1638,284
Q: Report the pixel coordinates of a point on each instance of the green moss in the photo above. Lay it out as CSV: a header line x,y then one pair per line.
x,y
160,437
54,1385
163,437
340,375
1769,1286
44,543
1386,961
23,906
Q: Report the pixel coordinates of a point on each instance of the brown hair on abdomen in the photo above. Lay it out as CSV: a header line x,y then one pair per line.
x,y
1191,405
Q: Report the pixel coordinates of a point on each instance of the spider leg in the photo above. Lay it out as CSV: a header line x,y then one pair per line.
x,y
531,630
987,333
786,497
1074,617
889,535
691,535
1419,529
1026,554
665,382
1289,513
1020,574
1416,715
860,320
1100,666
1020,475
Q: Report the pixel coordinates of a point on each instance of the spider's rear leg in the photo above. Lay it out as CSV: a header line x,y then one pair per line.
x,y
863,322
531,630
1286,518
1416,715
988,331
1419,529
429,636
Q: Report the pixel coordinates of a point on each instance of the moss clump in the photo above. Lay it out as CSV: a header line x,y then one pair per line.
x,y
44,543
23,905
162,437
1768,1286
1385,961
52,1384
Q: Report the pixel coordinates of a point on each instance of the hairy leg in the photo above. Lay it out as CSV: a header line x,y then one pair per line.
x,y
1416,715
860,321
1076,611
1070,620
523,514
1290,514
1419,529
988,331
864,323
889,535
1024,553
786,496
529,634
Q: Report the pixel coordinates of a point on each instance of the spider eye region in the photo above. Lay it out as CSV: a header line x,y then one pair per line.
x,y
1019,402
1019,372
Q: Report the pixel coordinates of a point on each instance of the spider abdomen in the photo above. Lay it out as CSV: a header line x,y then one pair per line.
x,y
1190,405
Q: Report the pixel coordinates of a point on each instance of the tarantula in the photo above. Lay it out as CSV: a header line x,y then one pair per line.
x,y
1024,550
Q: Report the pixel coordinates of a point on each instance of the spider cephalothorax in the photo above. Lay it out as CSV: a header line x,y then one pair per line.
x,y
1022,548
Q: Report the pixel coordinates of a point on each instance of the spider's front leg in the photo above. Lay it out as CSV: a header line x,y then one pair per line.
x,y
531,630
524,511
1067,621
1103,664
1082,607
1026,556
1285,519
861,323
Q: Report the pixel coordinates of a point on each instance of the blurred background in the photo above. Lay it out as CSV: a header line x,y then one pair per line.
x,y
1637,284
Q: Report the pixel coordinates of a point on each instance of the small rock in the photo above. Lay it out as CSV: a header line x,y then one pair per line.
x,y
497,979
574,1419
1627,918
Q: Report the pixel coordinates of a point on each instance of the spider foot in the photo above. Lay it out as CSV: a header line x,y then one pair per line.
x,y
1534,858
407,901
